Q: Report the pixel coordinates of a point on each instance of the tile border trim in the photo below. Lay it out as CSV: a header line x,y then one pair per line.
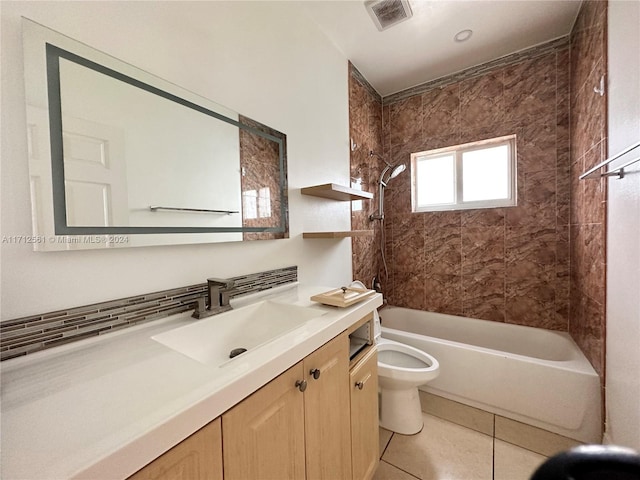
x,y
476,71
356,75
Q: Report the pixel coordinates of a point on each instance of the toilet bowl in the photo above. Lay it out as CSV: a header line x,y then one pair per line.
x,y
401,370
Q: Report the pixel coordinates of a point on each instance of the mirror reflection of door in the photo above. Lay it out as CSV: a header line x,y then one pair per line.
x,y
96,177
95,174
39,178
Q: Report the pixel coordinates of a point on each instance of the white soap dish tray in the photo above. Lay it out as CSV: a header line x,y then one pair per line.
x,y
343,297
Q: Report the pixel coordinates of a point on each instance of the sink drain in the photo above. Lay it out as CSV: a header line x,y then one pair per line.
x,y
237,351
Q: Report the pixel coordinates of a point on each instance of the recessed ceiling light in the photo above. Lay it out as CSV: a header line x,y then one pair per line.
x,y
463,36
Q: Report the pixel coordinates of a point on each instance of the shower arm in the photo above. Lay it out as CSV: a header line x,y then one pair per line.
x,y
381,186
390,171
379,215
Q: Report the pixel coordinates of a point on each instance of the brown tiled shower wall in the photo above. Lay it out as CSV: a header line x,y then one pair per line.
x,y
540,263
365,123
38,332
504,264
588,197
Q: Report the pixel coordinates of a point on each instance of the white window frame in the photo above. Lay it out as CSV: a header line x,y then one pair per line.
x,y
457,151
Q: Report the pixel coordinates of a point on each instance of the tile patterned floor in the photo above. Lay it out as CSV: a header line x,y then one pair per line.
x,y
448,451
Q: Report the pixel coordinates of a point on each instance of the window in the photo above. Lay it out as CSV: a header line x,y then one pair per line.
x,y
264,202
256,203
474,175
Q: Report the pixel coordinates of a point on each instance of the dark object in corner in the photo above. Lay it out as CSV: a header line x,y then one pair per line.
x,y
591,462
376,285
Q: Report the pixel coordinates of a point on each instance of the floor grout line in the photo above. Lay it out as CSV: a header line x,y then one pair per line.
x,y
493,454
401,469
493,436
523,448
387,445
389,463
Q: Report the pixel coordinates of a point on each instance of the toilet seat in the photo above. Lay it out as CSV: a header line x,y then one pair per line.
x,y
402,362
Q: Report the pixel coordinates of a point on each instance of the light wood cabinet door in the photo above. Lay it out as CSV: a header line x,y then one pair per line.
x,y
327,428
364,417
198,457
264,434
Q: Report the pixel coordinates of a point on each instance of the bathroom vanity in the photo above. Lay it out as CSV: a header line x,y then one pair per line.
x,y
129,406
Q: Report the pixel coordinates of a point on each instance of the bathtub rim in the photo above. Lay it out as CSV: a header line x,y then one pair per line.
x,y
578,361
580,365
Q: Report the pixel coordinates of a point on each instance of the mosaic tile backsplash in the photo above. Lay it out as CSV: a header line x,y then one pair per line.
x,y
26,335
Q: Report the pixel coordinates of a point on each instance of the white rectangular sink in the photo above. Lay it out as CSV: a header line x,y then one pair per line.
x,y
211,340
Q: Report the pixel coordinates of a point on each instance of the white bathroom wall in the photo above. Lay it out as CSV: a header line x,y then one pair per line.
x,y
261,59
623,230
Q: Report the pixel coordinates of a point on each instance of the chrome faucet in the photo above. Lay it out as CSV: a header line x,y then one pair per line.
x,y
217,300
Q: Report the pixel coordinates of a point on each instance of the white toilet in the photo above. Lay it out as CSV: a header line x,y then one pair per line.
x,y
401,370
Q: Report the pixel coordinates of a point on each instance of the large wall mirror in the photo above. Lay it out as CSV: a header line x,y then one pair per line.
x,y
121,158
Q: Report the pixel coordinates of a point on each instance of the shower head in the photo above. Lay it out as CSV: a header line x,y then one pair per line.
x,y
391,171
388,172
397,171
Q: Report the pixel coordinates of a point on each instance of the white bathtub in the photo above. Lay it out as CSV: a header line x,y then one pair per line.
x,y
535,376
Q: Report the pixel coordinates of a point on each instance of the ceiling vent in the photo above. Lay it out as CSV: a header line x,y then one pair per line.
x,y
387,13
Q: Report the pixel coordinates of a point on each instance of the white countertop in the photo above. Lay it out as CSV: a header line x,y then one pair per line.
x,y
102,408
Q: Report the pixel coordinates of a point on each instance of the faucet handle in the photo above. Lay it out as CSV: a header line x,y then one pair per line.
x,y
200,308
223,282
